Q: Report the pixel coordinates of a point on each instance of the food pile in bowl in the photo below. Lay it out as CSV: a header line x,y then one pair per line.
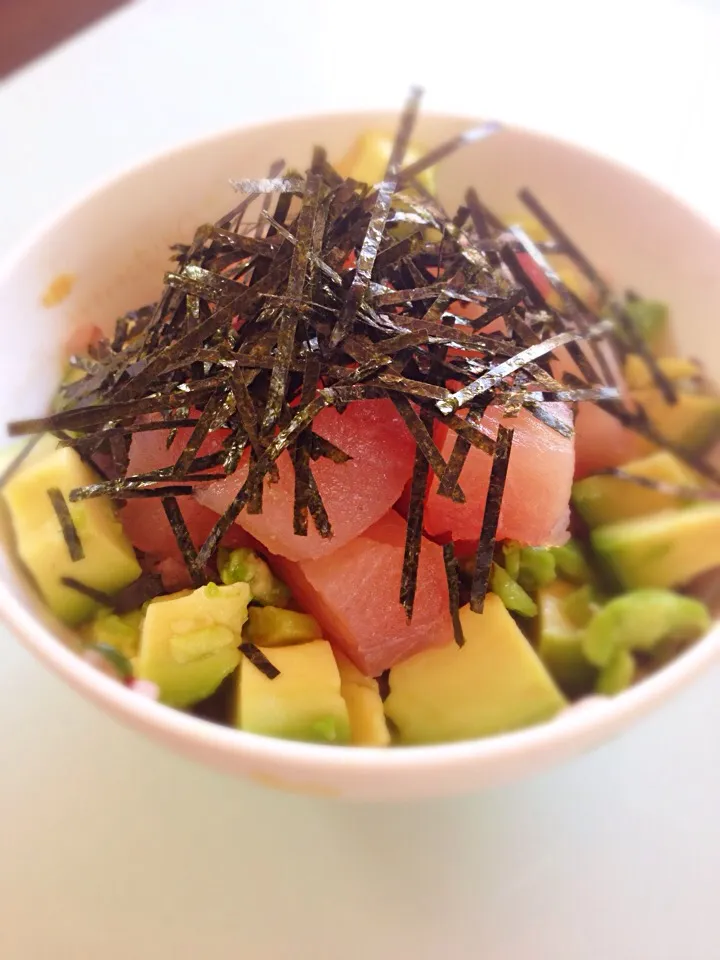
x,y
373,472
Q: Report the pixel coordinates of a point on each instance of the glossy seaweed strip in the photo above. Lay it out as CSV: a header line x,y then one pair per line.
x,y
258,659
451,474
414,528
420,428
493,503
443,150
67,525
497,373
183,538
452,573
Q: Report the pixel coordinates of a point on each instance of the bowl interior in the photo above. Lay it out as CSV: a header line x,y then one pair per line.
x,y
116,245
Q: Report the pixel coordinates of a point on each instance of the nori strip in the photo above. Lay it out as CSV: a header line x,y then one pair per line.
x,y
301,466
383,682
146,587
420,428
493,503
413,533
258,659
563,241
19,459
183,538
444,150
496,374
452,471
67,525
295,285
104,599
452,572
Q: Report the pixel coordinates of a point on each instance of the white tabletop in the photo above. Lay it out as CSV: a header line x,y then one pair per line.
x,y
111,848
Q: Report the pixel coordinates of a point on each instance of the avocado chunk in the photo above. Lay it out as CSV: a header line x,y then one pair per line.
x,y
109,562
639,376
189,641
651,319
119,631
303,702
560,638
368,727
368,157
511,593
245,566
571,563
494,683
607,499
641,620
275,627
693,422
617,675
662,550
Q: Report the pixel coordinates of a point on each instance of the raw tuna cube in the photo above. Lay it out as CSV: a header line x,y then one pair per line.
x,y
354,594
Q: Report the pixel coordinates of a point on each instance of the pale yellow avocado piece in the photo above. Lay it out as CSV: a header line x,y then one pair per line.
x,y
639,375
494,683
303,702
664,549
368,727
693,421
367,159
109,563
189,641
606,499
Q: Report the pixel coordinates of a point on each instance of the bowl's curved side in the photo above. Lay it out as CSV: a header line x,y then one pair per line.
x,y
115,241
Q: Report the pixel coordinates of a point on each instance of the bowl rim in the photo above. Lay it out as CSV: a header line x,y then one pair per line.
x,y
599,716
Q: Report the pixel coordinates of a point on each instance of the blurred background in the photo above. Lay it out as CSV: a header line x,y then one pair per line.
x,y
111,848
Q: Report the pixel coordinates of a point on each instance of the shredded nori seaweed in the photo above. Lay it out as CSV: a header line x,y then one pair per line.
x,y
491,515
184,541
97,595
383,682
452,572
258,659
67,525
338,292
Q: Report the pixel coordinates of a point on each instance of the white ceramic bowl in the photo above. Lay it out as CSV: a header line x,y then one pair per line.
x,y
641,236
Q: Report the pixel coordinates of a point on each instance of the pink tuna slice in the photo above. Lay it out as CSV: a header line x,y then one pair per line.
x,y
535,508
354,594
355,493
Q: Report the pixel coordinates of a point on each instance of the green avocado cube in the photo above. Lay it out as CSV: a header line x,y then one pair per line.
x,y
189,641
661,550
109,562
642,620
494,683
303,702
560,639
275,627
607,499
